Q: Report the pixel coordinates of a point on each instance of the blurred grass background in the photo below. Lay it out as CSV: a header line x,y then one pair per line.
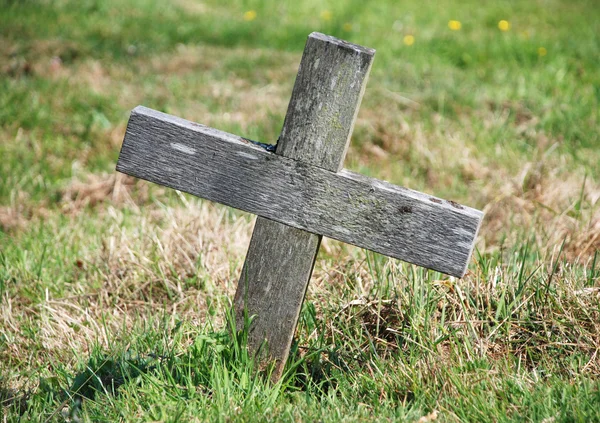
x,y
131,282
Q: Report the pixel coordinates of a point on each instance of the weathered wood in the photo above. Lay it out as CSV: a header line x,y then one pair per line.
x,y
355,209
317,128
272,286
299,193
329,87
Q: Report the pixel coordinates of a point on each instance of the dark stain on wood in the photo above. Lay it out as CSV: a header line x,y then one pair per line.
x,y
269,147
455,205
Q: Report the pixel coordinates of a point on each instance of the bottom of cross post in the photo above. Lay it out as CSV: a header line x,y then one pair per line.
x,y
271,290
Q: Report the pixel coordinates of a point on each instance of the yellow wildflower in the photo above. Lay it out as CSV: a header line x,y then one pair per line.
x,y
454,25
347,27
409,40
250,15
542,51
504,25
326,15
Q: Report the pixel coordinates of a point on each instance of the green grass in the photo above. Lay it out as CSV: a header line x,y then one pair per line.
x,y
114,294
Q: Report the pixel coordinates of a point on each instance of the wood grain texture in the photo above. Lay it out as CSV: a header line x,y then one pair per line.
x,y
317,128
325,101
272,286
352,208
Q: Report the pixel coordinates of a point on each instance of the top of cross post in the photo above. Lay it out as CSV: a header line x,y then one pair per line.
x,y
343,44
329,87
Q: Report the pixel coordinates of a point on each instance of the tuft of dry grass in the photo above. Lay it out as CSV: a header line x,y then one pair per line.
x,y
543,192
94,189
178,261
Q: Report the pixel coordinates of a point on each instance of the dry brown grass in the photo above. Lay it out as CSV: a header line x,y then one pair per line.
x,y
556,326
183,259
543,194
173,261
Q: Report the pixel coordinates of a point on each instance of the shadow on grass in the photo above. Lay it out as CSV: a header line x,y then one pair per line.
x,y
215,365
102,374
13,400
210,356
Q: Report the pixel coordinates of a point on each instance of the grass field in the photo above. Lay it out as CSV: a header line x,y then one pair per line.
x,y
114,293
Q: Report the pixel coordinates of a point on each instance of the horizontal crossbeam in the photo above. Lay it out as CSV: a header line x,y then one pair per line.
x,y
346,206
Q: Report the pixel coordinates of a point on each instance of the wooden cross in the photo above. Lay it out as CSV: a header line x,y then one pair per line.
x,y
299,191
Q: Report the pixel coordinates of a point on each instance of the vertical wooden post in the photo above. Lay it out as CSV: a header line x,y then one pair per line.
x,y
325,100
